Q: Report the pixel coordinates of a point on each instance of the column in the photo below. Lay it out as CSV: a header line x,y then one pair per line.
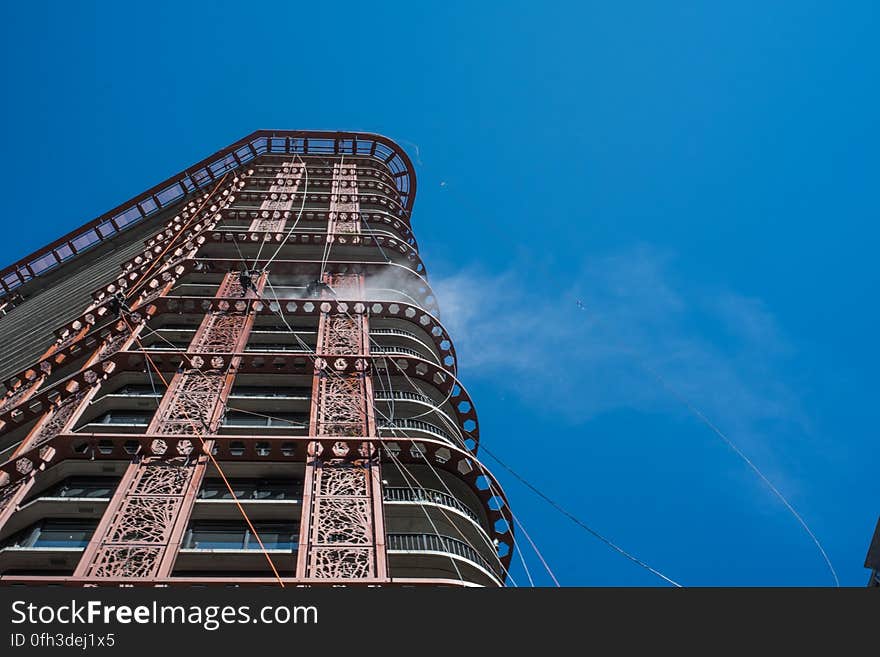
x,y
342,534
140,533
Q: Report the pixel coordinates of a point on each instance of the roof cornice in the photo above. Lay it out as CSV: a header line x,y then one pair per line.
x,y
201,175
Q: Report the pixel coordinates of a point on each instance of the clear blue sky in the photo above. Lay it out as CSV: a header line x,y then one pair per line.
x,y
703,176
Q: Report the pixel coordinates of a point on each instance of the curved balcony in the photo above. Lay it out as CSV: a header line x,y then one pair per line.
x,y
256,448
445,547
248,243
411,368
426,328
423,407
319,180
370,200
407,426
403,351
428,351
418,495
365,170
237,218
315,183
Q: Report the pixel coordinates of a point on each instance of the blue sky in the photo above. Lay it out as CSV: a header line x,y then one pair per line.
x,y
703,177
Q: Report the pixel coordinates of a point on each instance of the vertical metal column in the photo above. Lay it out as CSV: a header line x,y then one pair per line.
x,y
342,534
140,533
344,202
64,414
275,210
58,419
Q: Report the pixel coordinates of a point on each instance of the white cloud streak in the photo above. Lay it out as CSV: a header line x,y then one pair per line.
x,y
537,343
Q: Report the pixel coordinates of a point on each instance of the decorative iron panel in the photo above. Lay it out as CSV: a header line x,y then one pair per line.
x,y
344,205
139,532
339,523
275,210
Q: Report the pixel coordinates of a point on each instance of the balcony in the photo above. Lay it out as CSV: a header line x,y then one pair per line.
x,y
403,426
427,496
409,556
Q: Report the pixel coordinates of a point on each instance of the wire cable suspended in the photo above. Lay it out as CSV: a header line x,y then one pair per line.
x,y
579,522
696,412
312,354
210,454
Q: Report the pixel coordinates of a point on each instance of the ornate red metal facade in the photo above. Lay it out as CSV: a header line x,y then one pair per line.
x,y
342,517
148,513
345,214
324,212
276,210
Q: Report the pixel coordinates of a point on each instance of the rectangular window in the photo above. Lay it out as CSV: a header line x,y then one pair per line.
x,y
221,535
124,417
55,533
276,392
99,487
241,419
252,489
140,389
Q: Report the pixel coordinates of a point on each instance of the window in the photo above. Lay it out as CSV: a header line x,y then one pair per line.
x,y
252,489
169,345
124,417
222,535
265,391
100,487
275,346
240,419
140,389
54,533
271,328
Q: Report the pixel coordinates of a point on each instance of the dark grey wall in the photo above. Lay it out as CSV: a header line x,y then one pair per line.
x,y
51,301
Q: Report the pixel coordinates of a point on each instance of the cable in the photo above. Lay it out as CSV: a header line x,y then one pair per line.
x,y
157,259
244,264
579,522
312,355
210,453
299,216
293,197
492,547
335,209
293,423
708,423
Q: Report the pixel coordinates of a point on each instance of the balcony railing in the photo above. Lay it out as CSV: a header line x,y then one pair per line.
x,y
418,425
399,494
436,543
385,395
394,349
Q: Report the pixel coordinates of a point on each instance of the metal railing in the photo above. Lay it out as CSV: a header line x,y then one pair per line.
x,y
399,494
385,395
394,349
202,177
419,425
435,543
393,331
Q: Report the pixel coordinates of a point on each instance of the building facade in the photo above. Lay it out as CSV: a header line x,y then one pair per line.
x,y
872,559
240,376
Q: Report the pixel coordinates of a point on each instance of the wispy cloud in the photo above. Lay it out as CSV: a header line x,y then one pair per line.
x,y
718,348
